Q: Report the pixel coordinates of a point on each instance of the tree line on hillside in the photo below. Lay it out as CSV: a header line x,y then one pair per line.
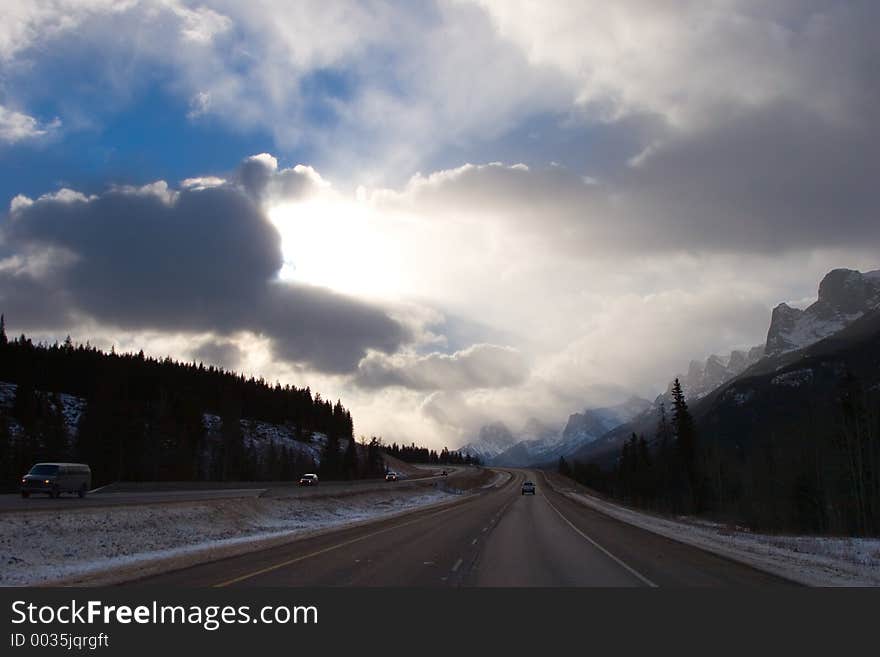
x,y
348,459
414,454
802,483
144,418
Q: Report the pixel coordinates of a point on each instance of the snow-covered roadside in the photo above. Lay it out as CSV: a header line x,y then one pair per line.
x,y
43,547
810,560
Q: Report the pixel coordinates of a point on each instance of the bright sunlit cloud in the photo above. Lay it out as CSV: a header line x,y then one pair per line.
x,y
339,244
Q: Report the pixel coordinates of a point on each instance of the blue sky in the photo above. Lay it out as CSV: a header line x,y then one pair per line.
x,y
148,139
446,213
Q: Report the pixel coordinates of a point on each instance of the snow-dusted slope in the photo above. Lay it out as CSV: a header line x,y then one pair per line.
x,y
844,296
71,409
262,436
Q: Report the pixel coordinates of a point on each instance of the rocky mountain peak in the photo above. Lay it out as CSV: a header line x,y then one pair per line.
x,y
844,296
703,377
847,291
738,360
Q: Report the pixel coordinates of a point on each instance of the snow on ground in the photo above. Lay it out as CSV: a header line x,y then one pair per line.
x,y
810,560
40,547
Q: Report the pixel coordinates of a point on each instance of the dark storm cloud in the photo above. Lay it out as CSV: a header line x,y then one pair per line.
x,y
255,173
196,260
773,179
222,353
28,301
144,257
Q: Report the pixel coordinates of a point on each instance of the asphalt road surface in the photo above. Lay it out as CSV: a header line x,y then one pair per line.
x,y
495,538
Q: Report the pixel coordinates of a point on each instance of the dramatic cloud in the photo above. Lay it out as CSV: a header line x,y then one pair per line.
x,y
772,180
200,259
691,60
605,191
364,79
264,65
478,366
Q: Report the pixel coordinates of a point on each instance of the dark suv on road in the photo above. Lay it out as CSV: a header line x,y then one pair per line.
x,y
528,488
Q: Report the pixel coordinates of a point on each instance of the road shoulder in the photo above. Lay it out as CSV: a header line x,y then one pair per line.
x,y
807,560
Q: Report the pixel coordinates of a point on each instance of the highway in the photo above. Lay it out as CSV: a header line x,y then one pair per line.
x,y
169,493
495,538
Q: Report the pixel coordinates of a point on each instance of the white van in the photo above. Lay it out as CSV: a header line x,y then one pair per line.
x,y
56,478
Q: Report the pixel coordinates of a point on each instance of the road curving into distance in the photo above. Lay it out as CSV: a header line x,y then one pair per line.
x,y
497,537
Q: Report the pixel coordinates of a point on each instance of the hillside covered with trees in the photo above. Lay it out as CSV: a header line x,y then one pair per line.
x,y
799,480
136,418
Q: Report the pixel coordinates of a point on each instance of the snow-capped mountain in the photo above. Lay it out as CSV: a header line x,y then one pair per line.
x,y
541,443
585,427
845,295
847,309
492,440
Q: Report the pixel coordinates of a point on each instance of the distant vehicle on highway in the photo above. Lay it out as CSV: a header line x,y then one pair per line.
x,y
56,478
443,473
308,480
528,488
391,476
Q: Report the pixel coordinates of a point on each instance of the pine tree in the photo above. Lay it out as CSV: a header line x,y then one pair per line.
x,y
54,430
564,469
665,459
330,462
375,463
271,470
350,460
24,405
233,444
685,441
